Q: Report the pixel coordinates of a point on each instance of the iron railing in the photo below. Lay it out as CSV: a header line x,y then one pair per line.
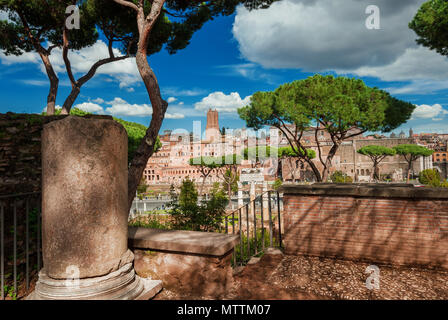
x,y
251,227
20,242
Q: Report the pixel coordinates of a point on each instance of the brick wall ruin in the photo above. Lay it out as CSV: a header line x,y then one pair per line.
x,y
20,151
393,224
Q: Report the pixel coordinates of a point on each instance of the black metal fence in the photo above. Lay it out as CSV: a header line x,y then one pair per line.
x,y
20,243
258,223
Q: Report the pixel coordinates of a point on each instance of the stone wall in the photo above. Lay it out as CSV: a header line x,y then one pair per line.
x,y
20,151
393,224
189,263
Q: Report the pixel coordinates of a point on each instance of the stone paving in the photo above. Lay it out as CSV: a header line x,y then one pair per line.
x,y
300,277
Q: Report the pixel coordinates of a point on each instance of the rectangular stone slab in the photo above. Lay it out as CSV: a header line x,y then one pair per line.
x,y
193,242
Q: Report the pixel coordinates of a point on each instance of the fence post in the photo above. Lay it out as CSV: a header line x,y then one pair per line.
x,y
241,235
270,219
279,221
248,231
255,226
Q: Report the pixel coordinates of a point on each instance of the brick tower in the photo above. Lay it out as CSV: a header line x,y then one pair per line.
x,y
212,129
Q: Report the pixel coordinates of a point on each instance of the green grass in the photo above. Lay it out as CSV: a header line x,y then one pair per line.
x,y
243,255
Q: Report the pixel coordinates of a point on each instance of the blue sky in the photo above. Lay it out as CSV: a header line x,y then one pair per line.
x,y
232,57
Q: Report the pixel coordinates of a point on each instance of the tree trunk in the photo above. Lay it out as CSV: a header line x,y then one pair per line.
x,y
315,170
375,171
54,83
68,103
328,161
159,106
408,175
202,184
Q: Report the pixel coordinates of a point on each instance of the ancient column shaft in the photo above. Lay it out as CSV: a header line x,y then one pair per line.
x,y
84,197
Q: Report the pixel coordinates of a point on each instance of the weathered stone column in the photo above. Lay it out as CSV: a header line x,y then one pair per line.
x,y
84,212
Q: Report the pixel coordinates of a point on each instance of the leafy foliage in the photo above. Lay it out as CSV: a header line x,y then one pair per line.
x,y
231,178
206,162
431,25
286,152
376,154
260,154
277,184
430,177
142,187
413,151
45,19
344,107
188,214
340,177
73,112
376,151
136,132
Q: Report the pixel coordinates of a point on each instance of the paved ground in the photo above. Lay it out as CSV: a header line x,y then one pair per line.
x,y
293,277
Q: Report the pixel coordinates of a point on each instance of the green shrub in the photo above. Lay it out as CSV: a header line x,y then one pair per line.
x,y
188,214
430,177
340,177
277,184
444,184
243,255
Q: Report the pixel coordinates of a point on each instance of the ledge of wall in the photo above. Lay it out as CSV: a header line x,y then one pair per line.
x,y
189,242
366,190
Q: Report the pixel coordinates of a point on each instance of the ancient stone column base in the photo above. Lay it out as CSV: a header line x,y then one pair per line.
x,y
122,284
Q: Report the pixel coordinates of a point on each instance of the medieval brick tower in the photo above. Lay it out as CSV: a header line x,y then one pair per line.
x,y
212,132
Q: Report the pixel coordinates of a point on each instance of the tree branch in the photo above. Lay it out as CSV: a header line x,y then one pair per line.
x,y
127,4
68,66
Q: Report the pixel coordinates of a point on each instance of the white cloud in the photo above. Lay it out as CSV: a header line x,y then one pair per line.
x,y
5,16
425,111
124,72
26,57
318,35
90,107
171,99
98,100
327,35
174,116
120,107
420,87
415,64
222,102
